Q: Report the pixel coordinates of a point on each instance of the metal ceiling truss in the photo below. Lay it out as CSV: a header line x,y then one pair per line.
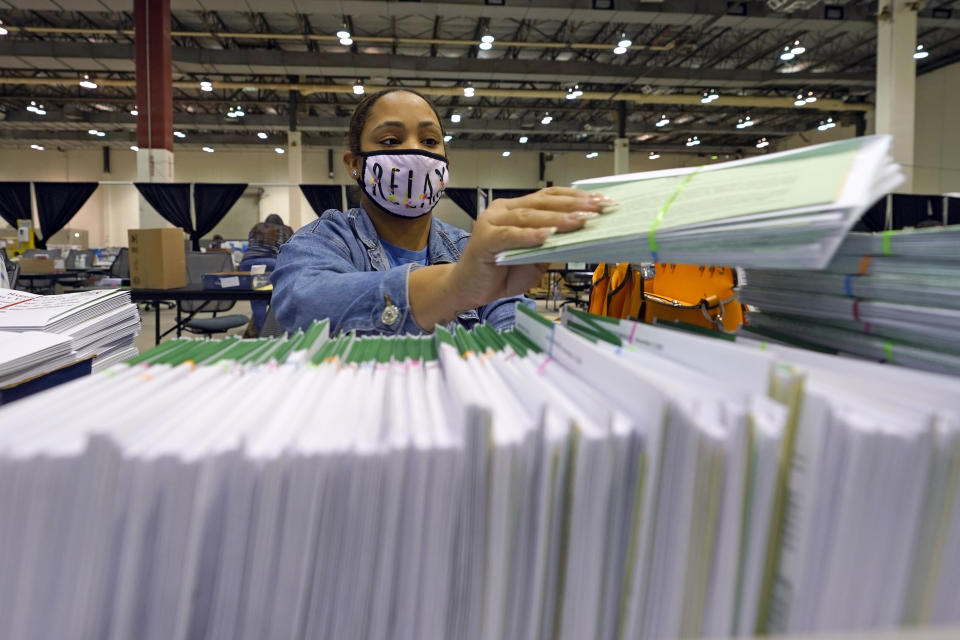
x,y
679,49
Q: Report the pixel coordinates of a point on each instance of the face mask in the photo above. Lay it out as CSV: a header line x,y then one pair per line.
x,y
406,183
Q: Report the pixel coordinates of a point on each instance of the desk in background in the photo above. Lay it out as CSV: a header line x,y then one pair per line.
x,y
193,292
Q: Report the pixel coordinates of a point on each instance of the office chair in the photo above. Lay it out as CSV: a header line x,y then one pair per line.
x,y
199,264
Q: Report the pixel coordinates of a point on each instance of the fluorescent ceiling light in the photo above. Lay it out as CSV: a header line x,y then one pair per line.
x,y
663,121
546,120
592,154
134,147
35,147
179,134
358,89
346,41
505,154
692,142
486,46
455,118
487,38
447,138
654,155
468,92
762,142
920,54
619,50
208,149
262,135
280,150
797,48
523,140
343,34
87,83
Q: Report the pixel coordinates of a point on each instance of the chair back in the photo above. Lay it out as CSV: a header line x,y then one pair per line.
x,y
199,264
120,268
80,259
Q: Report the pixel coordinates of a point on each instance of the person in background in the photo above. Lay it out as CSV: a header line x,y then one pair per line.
x,y
263,244
389,266
217,242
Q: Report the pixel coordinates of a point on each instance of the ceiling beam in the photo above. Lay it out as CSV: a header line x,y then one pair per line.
x,y
40,54
726,101
61,120
123,140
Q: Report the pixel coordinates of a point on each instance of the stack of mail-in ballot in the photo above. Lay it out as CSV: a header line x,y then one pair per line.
x,y
891,296
596,479
782,210
103,324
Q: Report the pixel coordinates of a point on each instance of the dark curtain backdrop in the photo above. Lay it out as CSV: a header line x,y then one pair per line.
x,y
910,210
15,202
171,200
875,217
953,210
465,198
511,193
322,197
57,203
211,202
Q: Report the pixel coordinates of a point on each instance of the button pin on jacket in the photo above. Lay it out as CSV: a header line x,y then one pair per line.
x,y
390,313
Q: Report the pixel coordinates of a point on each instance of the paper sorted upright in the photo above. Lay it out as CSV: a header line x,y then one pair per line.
x,y
782,210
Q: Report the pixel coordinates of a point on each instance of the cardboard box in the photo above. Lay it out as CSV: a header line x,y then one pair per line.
x,y
37,265
235,280
157,258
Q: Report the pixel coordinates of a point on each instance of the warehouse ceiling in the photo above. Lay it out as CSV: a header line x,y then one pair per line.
x,y
279,57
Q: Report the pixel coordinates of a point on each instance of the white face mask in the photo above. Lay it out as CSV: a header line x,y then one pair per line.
x,y
406,183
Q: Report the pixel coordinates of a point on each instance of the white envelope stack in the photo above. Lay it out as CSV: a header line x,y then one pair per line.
x,y
596,479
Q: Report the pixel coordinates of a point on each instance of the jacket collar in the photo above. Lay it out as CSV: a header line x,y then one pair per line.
x,y
441,246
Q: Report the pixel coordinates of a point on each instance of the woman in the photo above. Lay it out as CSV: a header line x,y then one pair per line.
x,y
388,266
263,244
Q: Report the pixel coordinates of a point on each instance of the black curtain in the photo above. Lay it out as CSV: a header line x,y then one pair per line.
x,y
211,202
15,202
171,200
322,197
875,217
910,210
57,203
953,210
465,198
511,193
353,196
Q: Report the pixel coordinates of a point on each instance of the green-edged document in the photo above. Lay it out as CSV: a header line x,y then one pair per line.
x,y
783,210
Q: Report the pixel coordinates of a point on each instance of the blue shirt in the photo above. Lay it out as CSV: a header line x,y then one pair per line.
x,y
336,267
398,256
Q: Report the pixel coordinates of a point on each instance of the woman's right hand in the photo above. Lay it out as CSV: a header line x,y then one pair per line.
x,y
516,223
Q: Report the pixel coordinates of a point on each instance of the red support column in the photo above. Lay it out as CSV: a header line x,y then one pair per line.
x,y
154,76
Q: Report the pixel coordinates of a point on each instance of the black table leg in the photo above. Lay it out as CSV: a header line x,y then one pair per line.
x,y
179,326
157,316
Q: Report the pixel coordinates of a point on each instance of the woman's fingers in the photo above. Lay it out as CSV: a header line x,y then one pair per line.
x,y
559,199
569,221
505,237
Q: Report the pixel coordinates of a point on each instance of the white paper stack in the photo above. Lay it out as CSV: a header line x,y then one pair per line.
x,y
100,323
782,210
599,479
32,353
891,296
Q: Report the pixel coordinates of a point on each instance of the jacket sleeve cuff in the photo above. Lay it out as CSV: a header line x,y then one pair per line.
x,y
391,314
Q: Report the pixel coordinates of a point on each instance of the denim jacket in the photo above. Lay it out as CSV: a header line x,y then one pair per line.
x,y
336,267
